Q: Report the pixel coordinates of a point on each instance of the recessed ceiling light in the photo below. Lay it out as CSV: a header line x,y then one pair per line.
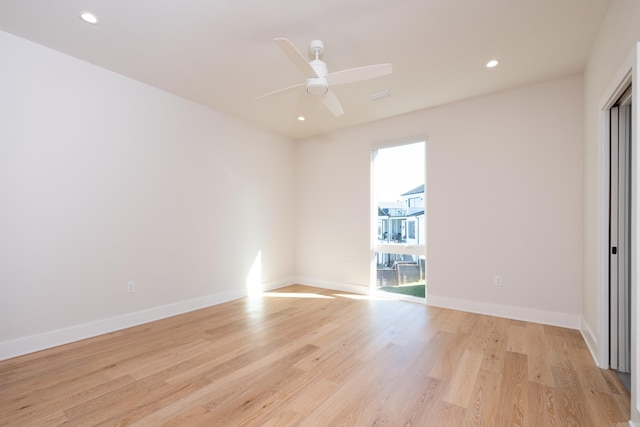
x,y
88,17
301,118
493,63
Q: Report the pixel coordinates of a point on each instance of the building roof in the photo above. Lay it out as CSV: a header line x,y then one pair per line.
x,y
418,189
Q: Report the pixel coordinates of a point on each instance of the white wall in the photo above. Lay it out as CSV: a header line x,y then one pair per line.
x,y
505,196
611,56
104,180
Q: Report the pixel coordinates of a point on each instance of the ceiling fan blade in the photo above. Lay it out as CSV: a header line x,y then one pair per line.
x,y
332,103
286,89
358,74
296,57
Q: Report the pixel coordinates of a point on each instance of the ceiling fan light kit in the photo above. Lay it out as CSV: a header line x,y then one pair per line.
x,y
317,85
318,76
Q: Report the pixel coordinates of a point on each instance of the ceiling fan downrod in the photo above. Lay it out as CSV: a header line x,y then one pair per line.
x,y
317,85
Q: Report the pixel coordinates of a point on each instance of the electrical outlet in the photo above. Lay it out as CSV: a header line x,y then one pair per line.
x,y
497,280
131,286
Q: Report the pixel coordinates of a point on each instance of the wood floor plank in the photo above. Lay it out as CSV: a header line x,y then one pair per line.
x,y
496,345
571,403
308,398
512,390
303,356
286,418
446,415
464,378
541,408
517,338
538,363
591,378
150,403
485,404
41,405
559,352
366,384
446,365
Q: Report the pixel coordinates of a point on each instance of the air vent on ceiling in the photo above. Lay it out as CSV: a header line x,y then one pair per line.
x,y
380,96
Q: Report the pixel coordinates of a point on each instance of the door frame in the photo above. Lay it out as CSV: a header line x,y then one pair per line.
x,y
627,74
620,234
622,83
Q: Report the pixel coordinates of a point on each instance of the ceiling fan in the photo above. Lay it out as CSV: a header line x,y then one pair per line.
x,y
318,77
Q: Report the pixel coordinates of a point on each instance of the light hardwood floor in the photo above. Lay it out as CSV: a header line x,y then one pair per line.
x,y
312,357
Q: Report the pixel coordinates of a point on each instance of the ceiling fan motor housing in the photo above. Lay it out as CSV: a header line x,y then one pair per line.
x,y
318,85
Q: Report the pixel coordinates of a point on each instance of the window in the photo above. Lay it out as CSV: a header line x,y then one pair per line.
x,y
412,230
398,220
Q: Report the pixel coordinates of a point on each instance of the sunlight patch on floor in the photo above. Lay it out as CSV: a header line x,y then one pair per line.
x,y
294,295
353,296
361,297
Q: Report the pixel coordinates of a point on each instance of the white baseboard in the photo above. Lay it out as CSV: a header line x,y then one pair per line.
x,y
49,339
592,344
511,312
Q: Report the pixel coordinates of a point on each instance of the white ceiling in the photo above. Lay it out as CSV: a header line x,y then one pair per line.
x,y
221,53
